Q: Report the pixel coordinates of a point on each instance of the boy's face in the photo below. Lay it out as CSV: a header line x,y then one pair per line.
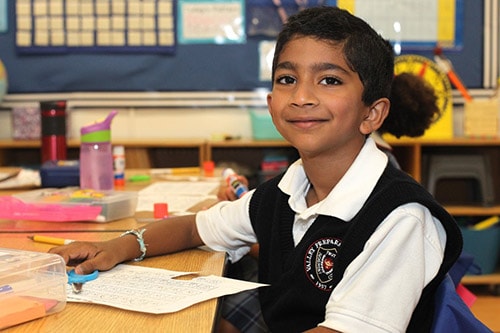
x,y
316,99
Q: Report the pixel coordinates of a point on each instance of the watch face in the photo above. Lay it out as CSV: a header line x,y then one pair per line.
x,y
429,71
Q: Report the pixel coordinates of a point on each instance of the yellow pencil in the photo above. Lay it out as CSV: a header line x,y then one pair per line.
x,y
489,222
175,171
50,240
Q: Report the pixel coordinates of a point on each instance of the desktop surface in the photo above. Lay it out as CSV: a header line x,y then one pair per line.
x,y
200,317
75,317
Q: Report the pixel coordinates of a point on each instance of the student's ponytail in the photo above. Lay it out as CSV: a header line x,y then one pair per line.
x,y
413,107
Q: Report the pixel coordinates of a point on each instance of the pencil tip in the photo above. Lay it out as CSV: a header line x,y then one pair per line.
x,y
30,237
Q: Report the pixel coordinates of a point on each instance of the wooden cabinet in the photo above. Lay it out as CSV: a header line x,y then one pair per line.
x,y
139,153
413,156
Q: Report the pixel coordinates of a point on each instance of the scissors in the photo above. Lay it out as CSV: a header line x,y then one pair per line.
x,y
77,280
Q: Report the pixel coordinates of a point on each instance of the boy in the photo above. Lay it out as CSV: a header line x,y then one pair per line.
x,y
347,242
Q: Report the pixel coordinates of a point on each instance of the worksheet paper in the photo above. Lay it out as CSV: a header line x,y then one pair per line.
x,y
179,195
154,290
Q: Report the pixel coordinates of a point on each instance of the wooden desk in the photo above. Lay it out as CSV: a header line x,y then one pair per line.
x,y
98,318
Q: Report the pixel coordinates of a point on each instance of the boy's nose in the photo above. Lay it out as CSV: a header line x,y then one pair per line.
x,y
303,95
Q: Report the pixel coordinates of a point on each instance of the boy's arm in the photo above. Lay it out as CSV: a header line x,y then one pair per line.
x,y
321,329
166,236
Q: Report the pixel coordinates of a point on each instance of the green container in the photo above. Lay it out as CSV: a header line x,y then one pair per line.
x,y
263,127
484,245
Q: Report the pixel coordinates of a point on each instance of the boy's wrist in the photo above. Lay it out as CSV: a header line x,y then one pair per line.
x,y
137,251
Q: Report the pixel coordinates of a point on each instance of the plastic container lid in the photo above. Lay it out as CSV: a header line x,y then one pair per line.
x,y
98,131
118,150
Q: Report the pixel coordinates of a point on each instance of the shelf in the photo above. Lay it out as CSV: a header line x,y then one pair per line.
x,y
404,141
73,143
139,153
493,278
473,210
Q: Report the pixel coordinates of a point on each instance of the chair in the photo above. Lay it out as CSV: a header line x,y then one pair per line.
x,y
473,166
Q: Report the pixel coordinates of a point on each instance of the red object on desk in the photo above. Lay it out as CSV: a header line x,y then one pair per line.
x,y
160,210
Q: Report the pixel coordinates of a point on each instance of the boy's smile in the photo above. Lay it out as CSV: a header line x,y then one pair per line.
x,y
316,98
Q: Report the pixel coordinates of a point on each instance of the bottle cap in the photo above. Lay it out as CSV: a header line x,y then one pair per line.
x,y
118,150
119,182
227,172
98,131
208,168
53,105
160,210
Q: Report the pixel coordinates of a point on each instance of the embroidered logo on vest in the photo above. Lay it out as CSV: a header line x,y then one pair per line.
x,y
319,262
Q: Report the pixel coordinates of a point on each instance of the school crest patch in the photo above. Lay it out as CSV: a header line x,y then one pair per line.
x,y
319,262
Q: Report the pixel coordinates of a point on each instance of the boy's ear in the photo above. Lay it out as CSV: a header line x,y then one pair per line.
x,y
376,115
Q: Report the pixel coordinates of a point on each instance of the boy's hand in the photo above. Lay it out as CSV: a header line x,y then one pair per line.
x,y
87,256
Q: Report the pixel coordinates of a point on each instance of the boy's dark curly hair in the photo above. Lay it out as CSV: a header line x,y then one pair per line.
x,y
413,107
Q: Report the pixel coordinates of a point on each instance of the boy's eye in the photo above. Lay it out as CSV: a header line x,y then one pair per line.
x,y
285,80
330,81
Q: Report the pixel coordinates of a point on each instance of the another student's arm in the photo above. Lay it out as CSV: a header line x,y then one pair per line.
x,y
172,235
225,191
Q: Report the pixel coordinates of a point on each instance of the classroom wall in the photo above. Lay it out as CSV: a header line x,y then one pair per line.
x,y
185,115
193,67
153,123
176,123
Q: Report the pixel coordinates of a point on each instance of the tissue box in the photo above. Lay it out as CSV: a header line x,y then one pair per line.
x,y
26,123
32,285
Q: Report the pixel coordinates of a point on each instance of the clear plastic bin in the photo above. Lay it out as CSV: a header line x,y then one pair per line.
x,y
73,204
32,285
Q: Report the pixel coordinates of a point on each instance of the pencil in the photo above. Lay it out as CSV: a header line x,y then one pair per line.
x,y
50,240
176,171
489,222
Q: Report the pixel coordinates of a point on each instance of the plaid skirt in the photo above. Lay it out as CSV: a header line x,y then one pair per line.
x,y
243,309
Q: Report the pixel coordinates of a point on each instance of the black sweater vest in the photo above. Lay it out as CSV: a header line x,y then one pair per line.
x,y
303,277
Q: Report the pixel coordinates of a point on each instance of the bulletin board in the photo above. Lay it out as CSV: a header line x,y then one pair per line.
x,y
188,67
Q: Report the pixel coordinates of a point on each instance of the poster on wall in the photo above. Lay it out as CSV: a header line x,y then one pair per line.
x,y
3,16
211,22
413,24
45,26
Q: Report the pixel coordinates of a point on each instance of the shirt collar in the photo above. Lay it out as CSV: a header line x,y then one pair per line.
x,y
348,196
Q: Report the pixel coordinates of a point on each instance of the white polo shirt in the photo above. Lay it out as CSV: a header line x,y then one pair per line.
x,y
381,286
